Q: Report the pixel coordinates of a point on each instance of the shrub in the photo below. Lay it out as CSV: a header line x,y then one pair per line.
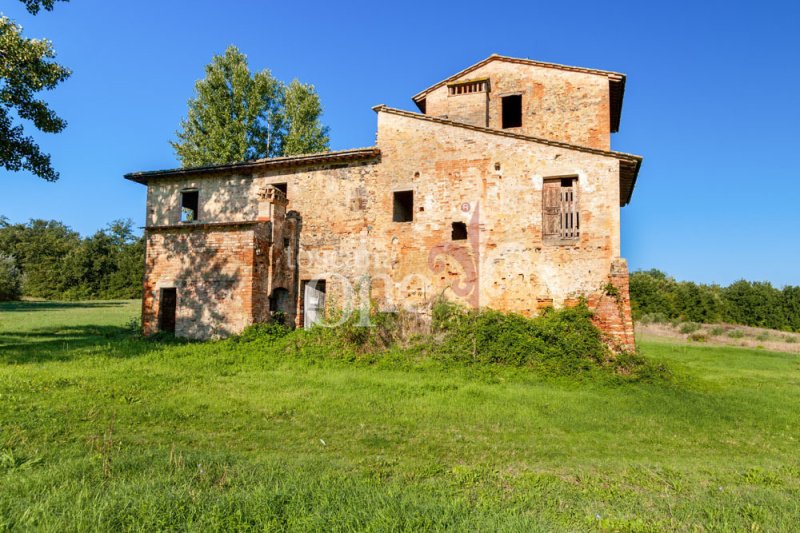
x,y
654,318
716,331
611,290
559,342
634,366
381,330
10,279
736,334
763,336
268,331
447,315
689,327
790,339
698,336
565,339
134,326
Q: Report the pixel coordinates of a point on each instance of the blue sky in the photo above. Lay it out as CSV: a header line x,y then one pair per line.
x,y
712,102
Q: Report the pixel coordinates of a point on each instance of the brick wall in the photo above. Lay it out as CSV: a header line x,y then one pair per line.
x,y
213,271
612,309
336,220
341,230
571,107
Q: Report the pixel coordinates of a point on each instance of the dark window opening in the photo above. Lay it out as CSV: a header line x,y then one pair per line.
x,y
512,111
281,187
190,201
167,309
459,231
403,210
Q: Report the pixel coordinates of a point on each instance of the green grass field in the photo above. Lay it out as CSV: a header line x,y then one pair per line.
x,y
102,430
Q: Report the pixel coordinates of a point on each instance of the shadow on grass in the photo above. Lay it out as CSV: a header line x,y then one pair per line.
x,y
26,306
65,343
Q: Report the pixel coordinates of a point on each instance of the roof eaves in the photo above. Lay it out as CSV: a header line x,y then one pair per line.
x,y
275,162
615,76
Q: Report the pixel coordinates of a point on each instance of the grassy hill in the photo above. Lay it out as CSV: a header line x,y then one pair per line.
x,y
100,429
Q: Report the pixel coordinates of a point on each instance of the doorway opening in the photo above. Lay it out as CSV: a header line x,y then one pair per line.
x,y
313,302
167,309
280,305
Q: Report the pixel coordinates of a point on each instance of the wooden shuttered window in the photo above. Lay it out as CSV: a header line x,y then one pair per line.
x,y
560,216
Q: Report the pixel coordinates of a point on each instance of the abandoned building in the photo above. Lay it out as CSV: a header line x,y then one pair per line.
x,y
501,192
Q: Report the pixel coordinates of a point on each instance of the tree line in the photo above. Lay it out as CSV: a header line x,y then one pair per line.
x,y
658,296
47,259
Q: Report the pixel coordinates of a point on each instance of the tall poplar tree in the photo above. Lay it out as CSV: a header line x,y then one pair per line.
x,y
304,130
239,116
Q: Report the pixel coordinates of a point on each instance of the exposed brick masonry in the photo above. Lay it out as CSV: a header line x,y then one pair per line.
x,y
252,246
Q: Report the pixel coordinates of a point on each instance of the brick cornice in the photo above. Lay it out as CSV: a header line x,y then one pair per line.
x,y
192,226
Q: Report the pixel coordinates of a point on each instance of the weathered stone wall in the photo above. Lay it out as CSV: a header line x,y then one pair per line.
x,y
571,107
341,230
493,184
469,108
222,198
335,222
327,227
330,205
214,273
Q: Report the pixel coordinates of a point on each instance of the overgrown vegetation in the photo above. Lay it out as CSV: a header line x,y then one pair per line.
x,y
557,343
565,339
103,430
46,259
656,297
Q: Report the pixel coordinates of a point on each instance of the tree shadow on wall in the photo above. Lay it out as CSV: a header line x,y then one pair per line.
x,y
207,282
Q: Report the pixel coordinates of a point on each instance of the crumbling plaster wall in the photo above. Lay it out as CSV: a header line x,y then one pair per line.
x,y
213,272
343,215
325,220
493,183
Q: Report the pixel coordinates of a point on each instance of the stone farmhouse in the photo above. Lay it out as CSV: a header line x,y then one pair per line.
x,y
501,192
